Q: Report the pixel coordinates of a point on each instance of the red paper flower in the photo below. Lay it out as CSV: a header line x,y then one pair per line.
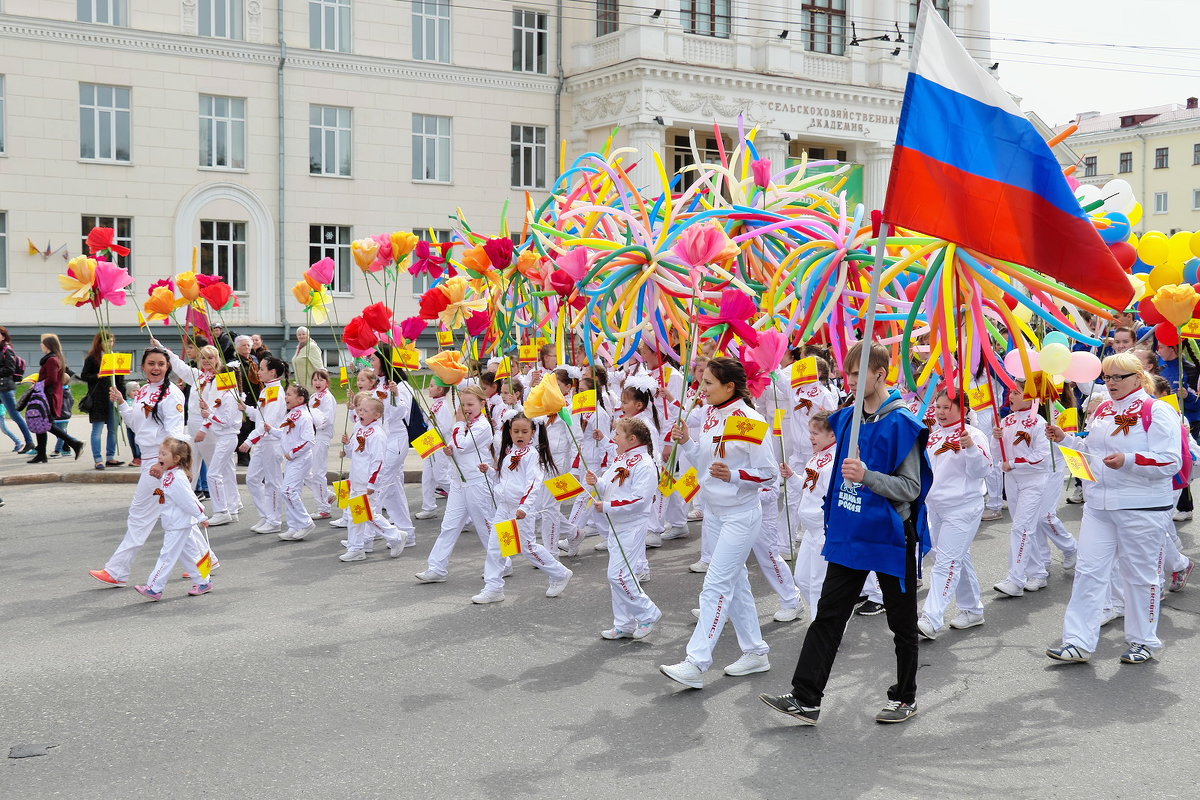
x,y
359,335
412,327
478,322
101,239
430,259
218,294
203,280
735,311
499,251
433,303
378,316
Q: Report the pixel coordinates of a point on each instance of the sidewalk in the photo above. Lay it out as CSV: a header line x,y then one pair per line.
x,y
14,471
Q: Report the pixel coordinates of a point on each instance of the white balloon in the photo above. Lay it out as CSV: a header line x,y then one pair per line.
x,y
1120,196
1087,194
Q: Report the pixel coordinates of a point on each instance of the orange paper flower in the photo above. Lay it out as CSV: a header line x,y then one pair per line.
x,y
545,399
162,304
1176,303
188,286
476,259
448,367
459,309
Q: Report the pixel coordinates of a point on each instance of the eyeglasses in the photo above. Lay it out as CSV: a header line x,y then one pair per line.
x,y
1111,378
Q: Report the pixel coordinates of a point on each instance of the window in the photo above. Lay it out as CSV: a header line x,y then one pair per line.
x,y
1195,199
2,150
705,17
816,154
608,16
329,141
430,148
3,250
122,225
824,23
103,122
103,12
332,241
421,282
682,157
841,156
528,157
942,6
1160,202
1195,147
222,132
431,30
530,33
220,18
1160,157
223,251
1125,163
1089,166
329,25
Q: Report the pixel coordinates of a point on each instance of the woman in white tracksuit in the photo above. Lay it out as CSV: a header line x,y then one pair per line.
x,y
1134,453
732,476
960,459
471,495
625,492
155,413
323,407
1023,433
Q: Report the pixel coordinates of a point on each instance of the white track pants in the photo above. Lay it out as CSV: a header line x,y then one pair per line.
x,y
143,514
361,535
184,542
1026,492
470,502
630,604
222,475
435,474
540,557
769,550
390,489
317,479
264,479
726,592
295,473
953,575
810,569
1131,539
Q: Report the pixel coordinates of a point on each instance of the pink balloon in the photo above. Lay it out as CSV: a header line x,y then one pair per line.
x,y
1012,363
1084,367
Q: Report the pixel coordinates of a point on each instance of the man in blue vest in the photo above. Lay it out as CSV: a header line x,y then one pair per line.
x,y
873,521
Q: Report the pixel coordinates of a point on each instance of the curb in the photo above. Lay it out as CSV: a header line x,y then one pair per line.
x,y
114,477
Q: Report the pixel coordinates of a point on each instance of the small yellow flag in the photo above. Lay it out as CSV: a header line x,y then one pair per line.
x,y
509,535
405,358
541,341
528,353
116,364
344,376
744,429
1173,401
342,490
980,397
777,425
360,510
666,483
1077,463
1068,420
445,338
204,565
1191,329
804,371
271,394
505,369
564,487
584,402
688,484
428,443
226,380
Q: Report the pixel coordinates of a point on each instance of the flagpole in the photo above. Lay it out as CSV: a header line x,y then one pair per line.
x,y
867,339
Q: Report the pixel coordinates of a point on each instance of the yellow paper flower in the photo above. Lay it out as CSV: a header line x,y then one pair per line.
x,y
448,367
188,286
78,280
1176,303
403,243
364,252
459,308
545,399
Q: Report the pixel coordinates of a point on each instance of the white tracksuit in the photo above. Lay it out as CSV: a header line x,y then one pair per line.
x,y
811,486
366,450
518,487
1122,519
954,505
181,515
1049,527
435,470
203,388
597,455
1028,452
264,476
470,500
734,510
626,490
221,425
771,546
295,436
323,407
562,449
994,480
390,491
149,433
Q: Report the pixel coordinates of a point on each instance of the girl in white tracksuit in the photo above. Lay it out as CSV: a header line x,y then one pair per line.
x,y
562,437
521,467
435,470
154,413
295,436
811,486
637,402
598,449
366,447
732,476
960,459
181,516
471,496
624,493
323,407
264,476
1134,453
397,406
1025,481
1050,530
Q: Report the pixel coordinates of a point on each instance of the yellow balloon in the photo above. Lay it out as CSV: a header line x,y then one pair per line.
x,y
1194,245
1140,290
1023,313
1135,216
1178,247
1153,248
1165,275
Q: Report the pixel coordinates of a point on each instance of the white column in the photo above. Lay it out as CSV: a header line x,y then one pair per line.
x,y
877,164
773,148
648,138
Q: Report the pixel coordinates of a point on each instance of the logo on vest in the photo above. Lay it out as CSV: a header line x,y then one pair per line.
x,y
848,498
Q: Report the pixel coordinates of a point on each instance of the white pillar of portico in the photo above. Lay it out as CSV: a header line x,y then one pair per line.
x,y
877,165
648,138
773,148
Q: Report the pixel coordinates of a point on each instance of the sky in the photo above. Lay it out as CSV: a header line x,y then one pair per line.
x,y
1151,57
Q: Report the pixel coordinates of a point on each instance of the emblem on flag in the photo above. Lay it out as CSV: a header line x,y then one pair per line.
x,y
804,372
688,484
428,443
360,510
744,429
584,402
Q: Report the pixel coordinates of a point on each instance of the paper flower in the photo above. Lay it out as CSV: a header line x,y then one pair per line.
x,y
430,259
359,335
207,280
378,316
476,260
162,304
1176,303
499,252
761,168
110,284
735,312
321,272
412,327
217,293
448,367
762,359
364,252
458,307
78,280
478,323
104,240
705,243
302,292
530,264
403,243
162,282
188,286
545,399
383,256
433,302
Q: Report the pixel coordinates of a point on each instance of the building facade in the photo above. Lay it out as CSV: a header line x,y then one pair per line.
x,y
1155,149
262,136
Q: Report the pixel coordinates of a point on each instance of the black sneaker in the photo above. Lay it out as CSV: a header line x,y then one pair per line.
x,y
787,704
895,711
870,609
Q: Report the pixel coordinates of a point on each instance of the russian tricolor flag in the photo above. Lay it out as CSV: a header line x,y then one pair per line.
x,y
970,168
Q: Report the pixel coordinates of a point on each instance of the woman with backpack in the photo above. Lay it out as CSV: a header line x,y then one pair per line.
x,y
52,374
100,410
12,369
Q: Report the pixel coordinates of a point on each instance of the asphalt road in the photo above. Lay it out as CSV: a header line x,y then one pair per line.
x,y
300,676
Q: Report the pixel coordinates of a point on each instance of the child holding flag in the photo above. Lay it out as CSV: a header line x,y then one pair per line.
x,y
322,405
181,516
364,381
810,488
624,493
398,404
264,477
295,436
435,470
222,421
365,448
597,450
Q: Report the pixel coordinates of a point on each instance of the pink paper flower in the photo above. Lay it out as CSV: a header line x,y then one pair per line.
x,y
111,281
499,252
478,322
412,327
322,271
762,172
429,259
705,243
762,359
735,312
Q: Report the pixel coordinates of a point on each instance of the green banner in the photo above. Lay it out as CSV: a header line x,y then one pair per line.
x,y
853,187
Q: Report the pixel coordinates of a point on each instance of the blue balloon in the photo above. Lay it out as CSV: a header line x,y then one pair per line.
x,y
1191,270
1141,268
1054,337
1118,229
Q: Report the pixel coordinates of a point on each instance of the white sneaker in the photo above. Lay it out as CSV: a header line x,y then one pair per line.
x,y
1111,614
485,597
966,619
787,614
266,527
696,613
353,555
1009,587
1070,560
1075,496
643,630
992,514
601,545
643,576
346,544
1034,584
410,540
570,546
676,533
748,664
699,566
926,629
429,576
396,548
556,587
654,539
616,633
340,522
1178,516
298,535
684,672
425,514
222,518
696,514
